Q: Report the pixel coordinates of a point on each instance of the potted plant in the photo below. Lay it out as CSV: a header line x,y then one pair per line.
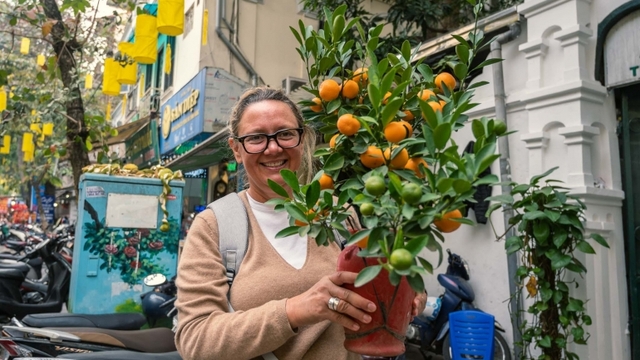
x,y
391,156
550,231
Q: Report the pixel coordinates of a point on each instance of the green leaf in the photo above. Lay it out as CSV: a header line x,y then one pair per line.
x,y
460,70
367,274
535,179
441,135
477,128
585,247
462,50
55,181
561,262
416,244
575,305
334,162
444,184
288,231
532,215
390,110
290,178
545,342
599,239
416,282
461,186
358,236
88,144
312,194
296,213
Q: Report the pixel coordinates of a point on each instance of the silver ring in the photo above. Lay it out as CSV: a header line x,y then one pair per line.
x,y
333,303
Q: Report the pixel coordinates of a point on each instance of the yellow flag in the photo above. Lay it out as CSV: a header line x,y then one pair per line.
x,y
205,26
88,81
167,60
6,144
28,155
107,115
47,129
27,141
40,60
141,87
24,46
3,99
35,128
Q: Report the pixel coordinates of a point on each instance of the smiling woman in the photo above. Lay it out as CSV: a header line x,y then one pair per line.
x,y
288,297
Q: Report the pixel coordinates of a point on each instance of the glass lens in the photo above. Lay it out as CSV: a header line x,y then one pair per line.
x,y
257,143
288,138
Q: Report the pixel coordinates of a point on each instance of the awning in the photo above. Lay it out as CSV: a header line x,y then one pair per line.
x,y
210,152
125,131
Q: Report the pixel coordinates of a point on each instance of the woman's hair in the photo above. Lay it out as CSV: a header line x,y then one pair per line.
x,y
258,94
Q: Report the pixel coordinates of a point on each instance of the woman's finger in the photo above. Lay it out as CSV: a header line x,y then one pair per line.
x,y
346,308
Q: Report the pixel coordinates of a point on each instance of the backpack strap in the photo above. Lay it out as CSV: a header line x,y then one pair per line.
x,y
233,230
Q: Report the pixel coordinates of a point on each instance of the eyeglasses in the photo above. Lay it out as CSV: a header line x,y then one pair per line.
x,y
257,143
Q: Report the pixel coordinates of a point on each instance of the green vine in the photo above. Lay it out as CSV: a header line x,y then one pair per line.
x,y
550,231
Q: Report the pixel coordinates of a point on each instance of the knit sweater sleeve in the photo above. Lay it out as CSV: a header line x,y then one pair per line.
x,y
206,329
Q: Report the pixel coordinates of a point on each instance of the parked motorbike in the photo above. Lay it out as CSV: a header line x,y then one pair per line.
x,y
23,339
429,331
15,301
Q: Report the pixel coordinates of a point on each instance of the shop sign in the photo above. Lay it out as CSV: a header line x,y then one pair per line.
x,y
196,174
622,53
142,147
202,106
182,115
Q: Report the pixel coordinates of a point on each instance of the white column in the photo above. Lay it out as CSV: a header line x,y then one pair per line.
x,y
536,143
535,51
578,141
574,41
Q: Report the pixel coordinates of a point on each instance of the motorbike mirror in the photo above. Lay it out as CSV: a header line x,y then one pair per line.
x,y
155,280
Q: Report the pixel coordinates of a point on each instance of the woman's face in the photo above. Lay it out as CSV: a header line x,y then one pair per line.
x,y
266,117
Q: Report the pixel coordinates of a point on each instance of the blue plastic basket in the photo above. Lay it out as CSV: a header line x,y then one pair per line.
x,y
471,335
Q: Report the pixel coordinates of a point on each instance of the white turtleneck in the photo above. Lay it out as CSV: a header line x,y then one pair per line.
x,y
293,248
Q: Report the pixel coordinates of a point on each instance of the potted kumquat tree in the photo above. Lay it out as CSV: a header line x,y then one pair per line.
x,y
391,155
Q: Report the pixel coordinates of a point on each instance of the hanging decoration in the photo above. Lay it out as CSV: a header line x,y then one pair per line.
x,y
167,60
40,60
107,113
47,129
110,84
88,81
3,99
11,92
6,144
141,86
146,39
205,26
171,17
24,46
28,155
27,142
128,73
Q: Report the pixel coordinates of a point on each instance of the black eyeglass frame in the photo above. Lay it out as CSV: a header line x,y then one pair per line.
x,y
273,136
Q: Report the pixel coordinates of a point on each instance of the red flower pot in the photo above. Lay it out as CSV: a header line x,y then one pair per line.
x,y
385,334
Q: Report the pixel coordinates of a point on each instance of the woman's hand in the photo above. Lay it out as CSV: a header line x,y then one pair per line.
x,y
312,307
419,303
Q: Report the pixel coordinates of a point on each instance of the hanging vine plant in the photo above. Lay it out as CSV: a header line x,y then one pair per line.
x,y
550,229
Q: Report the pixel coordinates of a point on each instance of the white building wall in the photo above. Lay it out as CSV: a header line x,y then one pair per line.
x,y
564,118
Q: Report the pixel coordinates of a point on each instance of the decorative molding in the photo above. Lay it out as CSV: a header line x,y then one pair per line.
x,y
579,135
537,140
589,91
535,7
575,34
534,48
597,196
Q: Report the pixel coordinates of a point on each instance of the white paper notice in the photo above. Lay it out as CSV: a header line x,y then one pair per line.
x,y
132,211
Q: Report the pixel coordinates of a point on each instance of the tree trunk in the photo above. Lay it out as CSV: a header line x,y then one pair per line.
x,y
550,318
74,106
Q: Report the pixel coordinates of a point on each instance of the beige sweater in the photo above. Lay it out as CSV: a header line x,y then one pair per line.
x,y
259,292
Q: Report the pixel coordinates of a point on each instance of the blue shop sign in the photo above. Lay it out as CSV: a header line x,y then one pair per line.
x,y
183,114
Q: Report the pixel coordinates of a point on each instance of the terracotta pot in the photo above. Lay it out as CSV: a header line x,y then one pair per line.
x,y
385,334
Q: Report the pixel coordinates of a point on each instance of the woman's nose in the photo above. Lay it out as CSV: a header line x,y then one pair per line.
x,y
273,147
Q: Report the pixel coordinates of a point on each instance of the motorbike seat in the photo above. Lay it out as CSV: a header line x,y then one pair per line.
x,y
156,340
130,321
124,354
14,273
13,264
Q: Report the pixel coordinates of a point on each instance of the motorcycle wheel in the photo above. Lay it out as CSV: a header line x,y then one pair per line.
x,y
501,349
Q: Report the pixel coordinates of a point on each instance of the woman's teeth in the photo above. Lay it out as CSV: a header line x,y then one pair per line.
x,y
275,163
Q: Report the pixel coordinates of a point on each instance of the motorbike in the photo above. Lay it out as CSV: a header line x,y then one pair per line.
x,y
429,331
63,338
49,296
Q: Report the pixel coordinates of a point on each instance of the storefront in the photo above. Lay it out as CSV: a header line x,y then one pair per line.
x,y
618,68
193,135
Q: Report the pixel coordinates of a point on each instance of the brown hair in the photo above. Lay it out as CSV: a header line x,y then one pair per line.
x,y
258,94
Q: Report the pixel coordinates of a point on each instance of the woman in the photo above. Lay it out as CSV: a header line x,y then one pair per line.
x,y
287,295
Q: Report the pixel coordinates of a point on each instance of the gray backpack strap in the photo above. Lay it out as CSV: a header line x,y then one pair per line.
x,y
233,229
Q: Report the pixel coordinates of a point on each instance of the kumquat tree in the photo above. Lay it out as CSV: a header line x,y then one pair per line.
x,y
389,124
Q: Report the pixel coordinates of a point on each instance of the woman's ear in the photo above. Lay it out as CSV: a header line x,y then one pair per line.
x,y
235,147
